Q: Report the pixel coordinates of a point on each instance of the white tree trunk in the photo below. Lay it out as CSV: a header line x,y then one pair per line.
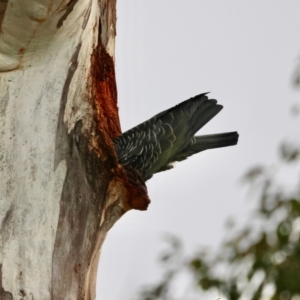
x,y
61,188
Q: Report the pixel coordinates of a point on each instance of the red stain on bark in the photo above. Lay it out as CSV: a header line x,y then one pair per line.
x,y
105,93
104,101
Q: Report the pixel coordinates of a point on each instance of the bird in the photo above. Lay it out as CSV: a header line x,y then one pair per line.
x,y
168,137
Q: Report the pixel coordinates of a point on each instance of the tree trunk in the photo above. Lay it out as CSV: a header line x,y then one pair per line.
x,y
61,188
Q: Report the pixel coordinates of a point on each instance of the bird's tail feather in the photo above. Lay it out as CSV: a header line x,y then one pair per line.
x,y
204,142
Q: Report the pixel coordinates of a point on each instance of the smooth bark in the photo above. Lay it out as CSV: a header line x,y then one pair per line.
x,y
61,188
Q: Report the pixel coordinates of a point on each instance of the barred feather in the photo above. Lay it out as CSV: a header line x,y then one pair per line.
x,y
167,137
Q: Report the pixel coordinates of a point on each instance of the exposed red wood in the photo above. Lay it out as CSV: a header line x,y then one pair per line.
x,y
105,93
104,100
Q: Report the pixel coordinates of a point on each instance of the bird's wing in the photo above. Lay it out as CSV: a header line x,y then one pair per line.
x,y
142,146
152,145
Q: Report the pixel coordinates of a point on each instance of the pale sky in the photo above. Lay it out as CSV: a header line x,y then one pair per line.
x,y
244,53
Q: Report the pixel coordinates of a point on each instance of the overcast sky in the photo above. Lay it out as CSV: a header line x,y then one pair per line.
x,y
244,53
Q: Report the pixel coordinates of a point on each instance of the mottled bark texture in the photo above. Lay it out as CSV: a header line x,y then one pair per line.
x,y
61,187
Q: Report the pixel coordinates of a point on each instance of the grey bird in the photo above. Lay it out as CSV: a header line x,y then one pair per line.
x,y
153,146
